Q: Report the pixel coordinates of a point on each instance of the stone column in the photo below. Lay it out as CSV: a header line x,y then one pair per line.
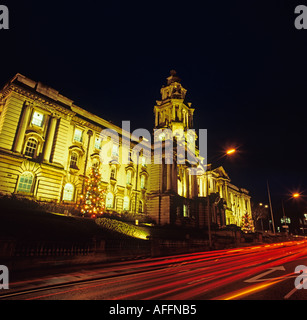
x,y
183,183
156,118
187,181
169,176
194,183
174,174
49,139
22,128
207,185
168,165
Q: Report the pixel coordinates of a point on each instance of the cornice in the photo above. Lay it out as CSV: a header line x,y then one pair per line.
x,y
83,122
41,101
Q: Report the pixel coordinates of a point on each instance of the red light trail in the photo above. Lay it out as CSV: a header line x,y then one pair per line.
x,y
202,275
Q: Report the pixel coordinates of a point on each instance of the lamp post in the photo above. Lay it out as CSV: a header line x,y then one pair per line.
x,y
208,205
293,196
283,211
297,195
136,182
271,210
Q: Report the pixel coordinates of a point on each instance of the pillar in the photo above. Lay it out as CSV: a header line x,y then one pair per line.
x,y
22,128
49,139
156,118
169,177
187,187
194,188
174,173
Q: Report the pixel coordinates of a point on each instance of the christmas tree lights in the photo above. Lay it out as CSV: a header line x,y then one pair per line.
x,y
247,224
91,203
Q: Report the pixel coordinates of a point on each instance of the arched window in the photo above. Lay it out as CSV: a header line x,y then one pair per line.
x,y
109,200
73,160
126,205
68,193
25,182
140,206
31,147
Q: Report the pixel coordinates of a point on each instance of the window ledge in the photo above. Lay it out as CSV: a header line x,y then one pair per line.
x,y
74,170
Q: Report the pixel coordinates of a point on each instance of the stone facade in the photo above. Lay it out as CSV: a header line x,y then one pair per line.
x,y
48,144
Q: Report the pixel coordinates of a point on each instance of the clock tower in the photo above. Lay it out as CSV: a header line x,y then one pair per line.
x,y
172,187
172,111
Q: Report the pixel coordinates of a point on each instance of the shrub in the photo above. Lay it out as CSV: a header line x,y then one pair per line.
x,y
123,228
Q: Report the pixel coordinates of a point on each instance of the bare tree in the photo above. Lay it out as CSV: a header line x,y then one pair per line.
x,y
259,212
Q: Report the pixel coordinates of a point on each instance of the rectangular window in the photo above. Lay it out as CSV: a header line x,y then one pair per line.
x,y
78,135
98,143
113,173
130,156
109,200
73,160
143,161
129,177
115,150
126,206
37,119
140,206
143,181
185,210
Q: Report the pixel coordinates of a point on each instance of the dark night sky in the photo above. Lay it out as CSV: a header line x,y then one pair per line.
x,y
243,63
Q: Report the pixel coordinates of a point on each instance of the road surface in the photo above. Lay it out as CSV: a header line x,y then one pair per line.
x,y
261,272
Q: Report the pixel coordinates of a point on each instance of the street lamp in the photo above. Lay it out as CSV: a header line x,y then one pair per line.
x,y
230,151
296,195
286,220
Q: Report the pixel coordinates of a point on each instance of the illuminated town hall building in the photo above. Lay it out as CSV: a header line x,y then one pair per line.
x,y
48,145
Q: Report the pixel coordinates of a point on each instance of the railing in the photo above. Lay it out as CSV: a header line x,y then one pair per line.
x,y
53,249
45,248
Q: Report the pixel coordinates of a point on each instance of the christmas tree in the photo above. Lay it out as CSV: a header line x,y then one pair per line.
x,y
91,202
247,224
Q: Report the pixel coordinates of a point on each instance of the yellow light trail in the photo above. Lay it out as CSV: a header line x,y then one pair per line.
x,y
246,291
